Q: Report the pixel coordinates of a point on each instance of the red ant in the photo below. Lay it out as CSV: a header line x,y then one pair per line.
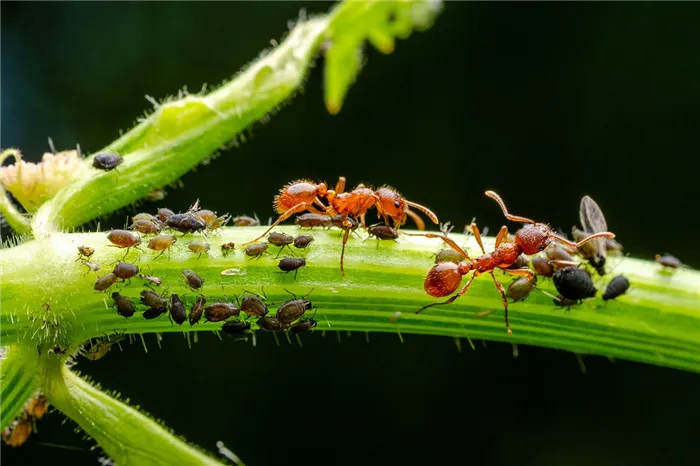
x,y
444,278
303,195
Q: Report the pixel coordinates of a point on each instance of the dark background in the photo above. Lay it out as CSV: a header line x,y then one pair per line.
x,y
542,102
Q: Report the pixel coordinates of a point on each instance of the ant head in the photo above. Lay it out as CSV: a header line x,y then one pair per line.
x,y
533,238
443,279
392,204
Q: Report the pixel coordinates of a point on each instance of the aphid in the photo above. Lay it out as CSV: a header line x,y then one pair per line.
x,y
104,282
18,432
219,222
554,252
153,300
185,223
542,266
289,264
564,302
303,195
37,406
177,309
149,278
592,221
617,287
154,312
668,261
520,263
145,227
341,222
520,288
304,325
125,270
253,306
58,350
161,243
314,220
448,255
302,241
293,309
91,266
574,283
444,278
101,348
193,280
145,217
270,324
227,247
205,215
85,251
245,221
255,250
163,214
125,307
123,239
237,329
382,232
107,161
198,246
220,311
196,310
277,238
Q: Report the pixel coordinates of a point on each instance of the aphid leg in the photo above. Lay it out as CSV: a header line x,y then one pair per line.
x,y
477,236
501,235
301,207
504,301
461,292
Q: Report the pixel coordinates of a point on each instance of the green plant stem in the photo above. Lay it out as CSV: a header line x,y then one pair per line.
x,y
127,436
18,381
657,322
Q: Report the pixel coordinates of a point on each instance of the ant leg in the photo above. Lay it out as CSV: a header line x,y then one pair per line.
x,y
302,206
461,292
501,235
342,252
420,224
340,185
477,235
504,300
364,225
447,240
524,272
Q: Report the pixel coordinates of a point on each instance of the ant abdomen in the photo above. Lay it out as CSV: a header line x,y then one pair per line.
x,y
443,279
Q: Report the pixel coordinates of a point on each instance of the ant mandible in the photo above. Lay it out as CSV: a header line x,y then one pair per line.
x,y
303,195
444,278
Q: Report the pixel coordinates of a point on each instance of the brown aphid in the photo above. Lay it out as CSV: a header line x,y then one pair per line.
x,y
220,311
219,222
145,227
123,239
304,325
177,309
237,329
293,309
256,250
520,288
554,252
245,221
161,243
205,215
302,241
193,280
542,266
564,302
185,223
520,263
163,214
198,246
270,324
253,306
226,248
383,232
18,432
444,278
125,270
154,312
314,220
448,255
37,406
153,300
292,264
125,307
144,216
149,278
104,282
85,251
107,161
196,310
668,261
277,238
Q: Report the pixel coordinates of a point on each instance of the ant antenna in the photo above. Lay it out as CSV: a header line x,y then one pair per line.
x,y
425,210
514,218
604,234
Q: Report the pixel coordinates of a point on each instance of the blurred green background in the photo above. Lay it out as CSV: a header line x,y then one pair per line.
x,y
542,102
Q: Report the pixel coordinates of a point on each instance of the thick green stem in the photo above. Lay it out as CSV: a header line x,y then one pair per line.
x,y
657,321
127,436
17,379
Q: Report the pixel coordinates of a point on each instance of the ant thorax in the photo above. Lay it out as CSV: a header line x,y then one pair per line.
x,y
533,237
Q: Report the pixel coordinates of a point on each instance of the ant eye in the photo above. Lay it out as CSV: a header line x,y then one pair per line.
x,y
396,204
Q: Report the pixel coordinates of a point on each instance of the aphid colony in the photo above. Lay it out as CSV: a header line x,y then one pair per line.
x,y
21,428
